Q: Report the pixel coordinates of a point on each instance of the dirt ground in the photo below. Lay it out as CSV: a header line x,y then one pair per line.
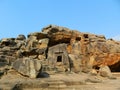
x,y
60,81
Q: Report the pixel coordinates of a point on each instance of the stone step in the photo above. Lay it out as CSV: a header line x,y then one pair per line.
x,y
69,83
57,86
49,89
81,87
55,82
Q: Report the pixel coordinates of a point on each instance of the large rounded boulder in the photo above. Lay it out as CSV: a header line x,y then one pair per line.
x,y
28,67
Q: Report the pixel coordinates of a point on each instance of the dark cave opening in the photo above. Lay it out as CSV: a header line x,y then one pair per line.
x,y
115,67
78,38
6,43
85,36
54,42
59,59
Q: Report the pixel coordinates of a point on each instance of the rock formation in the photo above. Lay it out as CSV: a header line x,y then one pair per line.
x,y
28,67
58,49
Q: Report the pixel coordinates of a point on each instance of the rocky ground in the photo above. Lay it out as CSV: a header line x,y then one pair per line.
x,y
60,81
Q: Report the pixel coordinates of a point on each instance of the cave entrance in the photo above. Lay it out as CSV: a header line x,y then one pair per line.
x,y
59,59
85,35
6,43
115,67
78,38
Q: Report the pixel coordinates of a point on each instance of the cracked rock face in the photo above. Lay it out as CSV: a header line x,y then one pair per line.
x,y
59,48
28,67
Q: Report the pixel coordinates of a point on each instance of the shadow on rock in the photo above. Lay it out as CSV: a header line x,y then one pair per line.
x,y
18,87
43,75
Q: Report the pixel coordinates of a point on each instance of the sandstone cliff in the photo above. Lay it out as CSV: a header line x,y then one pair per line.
x,y
59,49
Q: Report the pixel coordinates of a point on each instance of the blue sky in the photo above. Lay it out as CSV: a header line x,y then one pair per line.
x,y
26,16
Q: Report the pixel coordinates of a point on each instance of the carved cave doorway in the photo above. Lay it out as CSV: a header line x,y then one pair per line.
x,y
59,58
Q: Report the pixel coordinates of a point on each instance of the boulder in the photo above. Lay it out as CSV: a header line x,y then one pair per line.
x,y
41,57
28,67
43,43
53,29
75,63
93,72
31,42
105,71
8,42
39,35
21,37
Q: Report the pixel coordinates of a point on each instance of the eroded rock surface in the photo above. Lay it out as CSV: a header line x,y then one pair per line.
x,y
28,67
59,49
